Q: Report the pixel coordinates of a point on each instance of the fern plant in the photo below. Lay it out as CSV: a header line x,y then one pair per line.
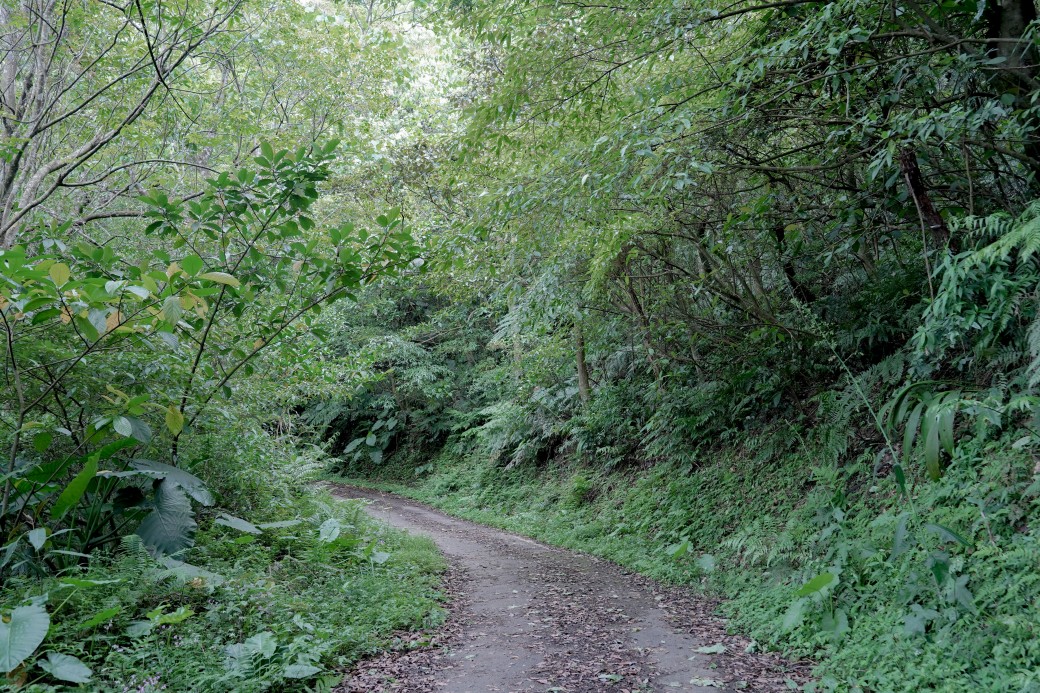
x,y
985,305
985,321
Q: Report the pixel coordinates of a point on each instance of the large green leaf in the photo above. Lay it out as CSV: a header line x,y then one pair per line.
x,y
75,490
174,419
194,486
66,668
237,523
184,572
910,434
300,671
947,534
192,264
170,527
221,278
816,584
931,447
20,637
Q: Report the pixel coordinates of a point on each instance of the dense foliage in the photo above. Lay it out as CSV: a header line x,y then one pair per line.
x,y
164,252
742,295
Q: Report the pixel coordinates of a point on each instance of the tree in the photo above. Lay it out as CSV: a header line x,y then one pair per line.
x,y
90,67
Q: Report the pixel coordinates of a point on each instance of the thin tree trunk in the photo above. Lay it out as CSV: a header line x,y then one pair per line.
x,y
640,315
930,217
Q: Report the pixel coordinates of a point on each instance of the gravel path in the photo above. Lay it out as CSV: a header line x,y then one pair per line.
x,y
526,617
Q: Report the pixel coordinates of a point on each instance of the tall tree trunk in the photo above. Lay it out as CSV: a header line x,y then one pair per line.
x,y
1006,23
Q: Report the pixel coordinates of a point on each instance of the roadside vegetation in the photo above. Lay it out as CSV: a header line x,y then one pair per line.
x,y
177,205
744,296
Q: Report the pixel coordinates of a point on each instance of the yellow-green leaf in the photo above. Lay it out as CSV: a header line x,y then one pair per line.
x,y
221,278
60,273
174,420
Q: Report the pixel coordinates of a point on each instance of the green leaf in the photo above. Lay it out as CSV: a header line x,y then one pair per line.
x,y
170,526
72,493
940,566
946,421
139,629
66,668
794,614
947,534
37,537
42,441
329,530
817,584
192,264
21,635
172,309
86,328
185,572
678,550
221,278
835,622
915,623
194,486
123,427
60,273
280,524
139,430
910,433
174,419
237,523
84,582
931,448
962,594
179,615
902,539
100,617
264,644
897,472
300,671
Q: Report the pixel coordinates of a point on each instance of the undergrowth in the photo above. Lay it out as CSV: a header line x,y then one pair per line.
x,y
284,599
933,591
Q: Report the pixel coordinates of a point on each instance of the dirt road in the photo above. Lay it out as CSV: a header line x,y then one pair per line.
x,y
529,617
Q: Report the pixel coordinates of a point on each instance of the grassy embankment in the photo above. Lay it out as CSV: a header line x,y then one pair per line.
x,y
935,591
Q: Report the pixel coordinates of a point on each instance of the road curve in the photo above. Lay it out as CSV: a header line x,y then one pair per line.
x,y
531,617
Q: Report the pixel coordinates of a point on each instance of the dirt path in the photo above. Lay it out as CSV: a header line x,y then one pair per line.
x,y
529,617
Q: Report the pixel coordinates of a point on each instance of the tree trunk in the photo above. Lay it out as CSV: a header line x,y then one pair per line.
x,y
801,291
1006,23
931,220
638,312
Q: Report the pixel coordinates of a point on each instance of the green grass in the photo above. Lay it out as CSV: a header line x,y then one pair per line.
x,y
909,607
289,602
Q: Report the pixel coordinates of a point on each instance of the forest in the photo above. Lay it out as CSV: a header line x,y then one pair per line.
x,y
742,296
